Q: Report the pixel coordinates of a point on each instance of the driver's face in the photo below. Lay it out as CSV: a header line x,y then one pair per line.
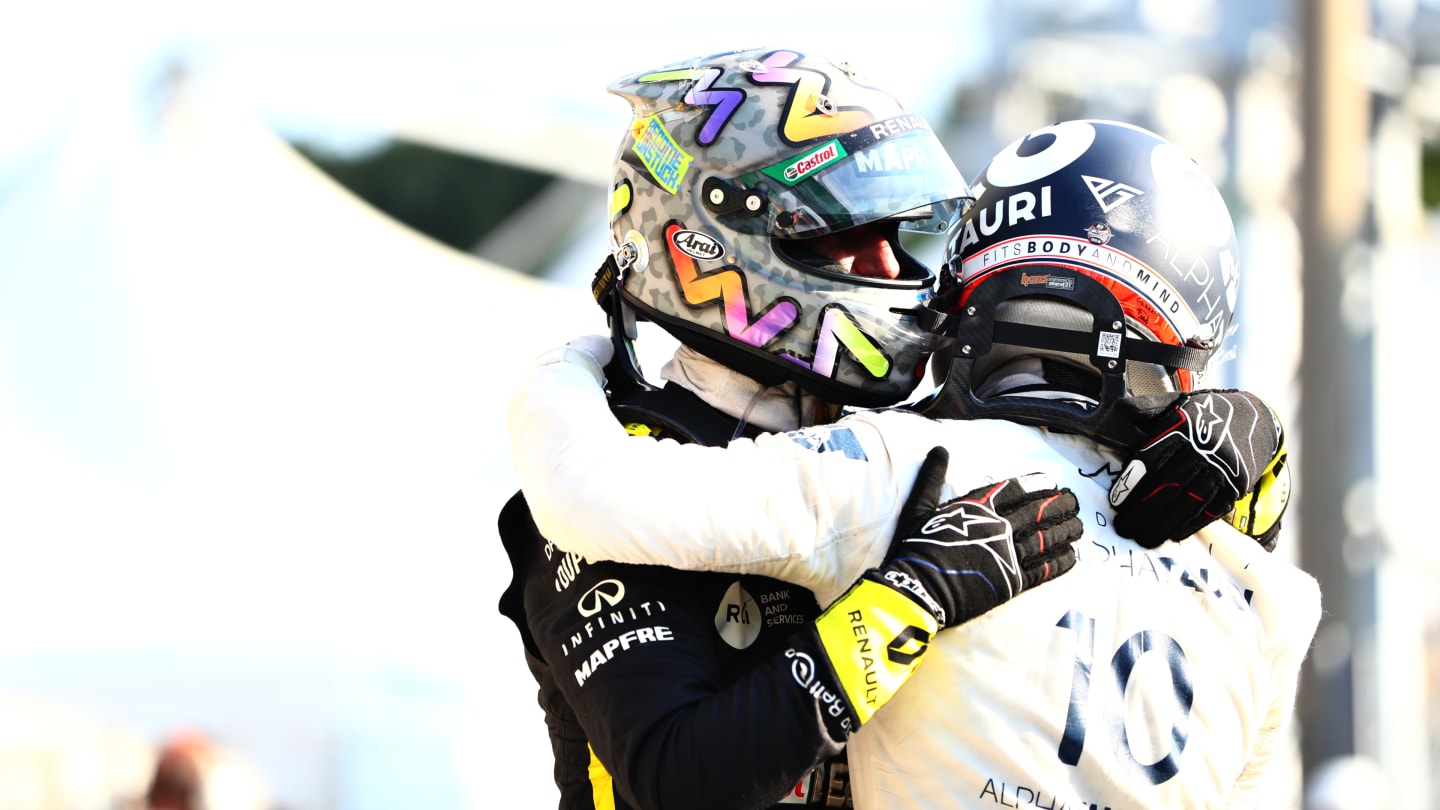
x,y
862,251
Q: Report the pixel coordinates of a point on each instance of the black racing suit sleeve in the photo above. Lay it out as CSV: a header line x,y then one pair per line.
x,y
567,740
568,744
635,652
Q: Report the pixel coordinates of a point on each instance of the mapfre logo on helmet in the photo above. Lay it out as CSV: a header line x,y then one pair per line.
x,y
697,245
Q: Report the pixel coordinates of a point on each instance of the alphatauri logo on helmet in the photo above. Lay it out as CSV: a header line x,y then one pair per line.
x,y
697,245
1109,193
1006,211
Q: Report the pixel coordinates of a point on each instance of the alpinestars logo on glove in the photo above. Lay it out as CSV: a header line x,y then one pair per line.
x,y
1206,421
973,524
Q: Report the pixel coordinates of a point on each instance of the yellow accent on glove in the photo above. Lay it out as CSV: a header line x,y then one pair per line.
x,y
874,636
638,429
1261,508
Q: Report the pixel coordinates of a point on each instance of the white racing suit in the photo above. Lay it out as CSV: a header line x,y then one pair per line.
x,y
1141,679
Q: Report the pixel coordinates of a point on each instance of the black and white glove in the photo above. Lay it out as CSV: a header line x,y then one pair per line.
x,y
972,553
1212,455
947,564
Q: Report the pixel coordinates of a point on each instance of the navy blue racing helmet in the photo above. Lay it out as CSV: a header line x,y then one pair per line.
x,y
1100,262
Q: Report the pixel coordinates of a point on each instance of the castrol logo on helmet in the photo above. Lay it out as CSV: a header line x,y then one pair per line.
x,y
808,164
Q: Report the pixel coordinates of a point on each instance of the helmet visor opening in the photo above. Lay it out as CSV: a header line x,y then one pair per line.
x,y
859,177
869,251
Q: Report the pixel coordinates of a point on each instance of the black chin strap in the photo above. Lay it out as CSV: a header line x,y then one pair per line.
x,y
671,410
971,331
622,374
1076,342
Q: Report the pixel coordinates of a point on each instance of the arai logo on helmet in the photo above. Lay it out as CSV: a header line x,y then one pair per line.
x,y
697,245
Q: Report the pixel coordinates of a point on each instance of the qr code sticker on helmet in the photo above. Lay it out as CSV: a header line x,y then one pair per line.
x,y
1109,344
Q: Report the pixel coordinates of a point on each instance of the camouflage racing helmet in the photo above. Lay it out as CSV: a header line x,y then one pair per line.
x,y
738,174
1099,247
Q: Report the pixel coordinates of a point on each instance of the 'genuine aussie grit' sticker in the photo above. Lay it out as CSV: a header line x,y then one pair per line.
x,y
666,161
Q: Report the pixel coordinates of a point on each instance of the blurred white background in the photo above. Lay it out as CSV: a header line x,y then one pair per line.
x,y
251,426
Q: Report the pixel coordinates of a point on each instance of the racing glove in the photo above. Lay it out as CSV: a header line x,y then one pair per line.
x,y
970,554
948,563
1212,455
598,347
